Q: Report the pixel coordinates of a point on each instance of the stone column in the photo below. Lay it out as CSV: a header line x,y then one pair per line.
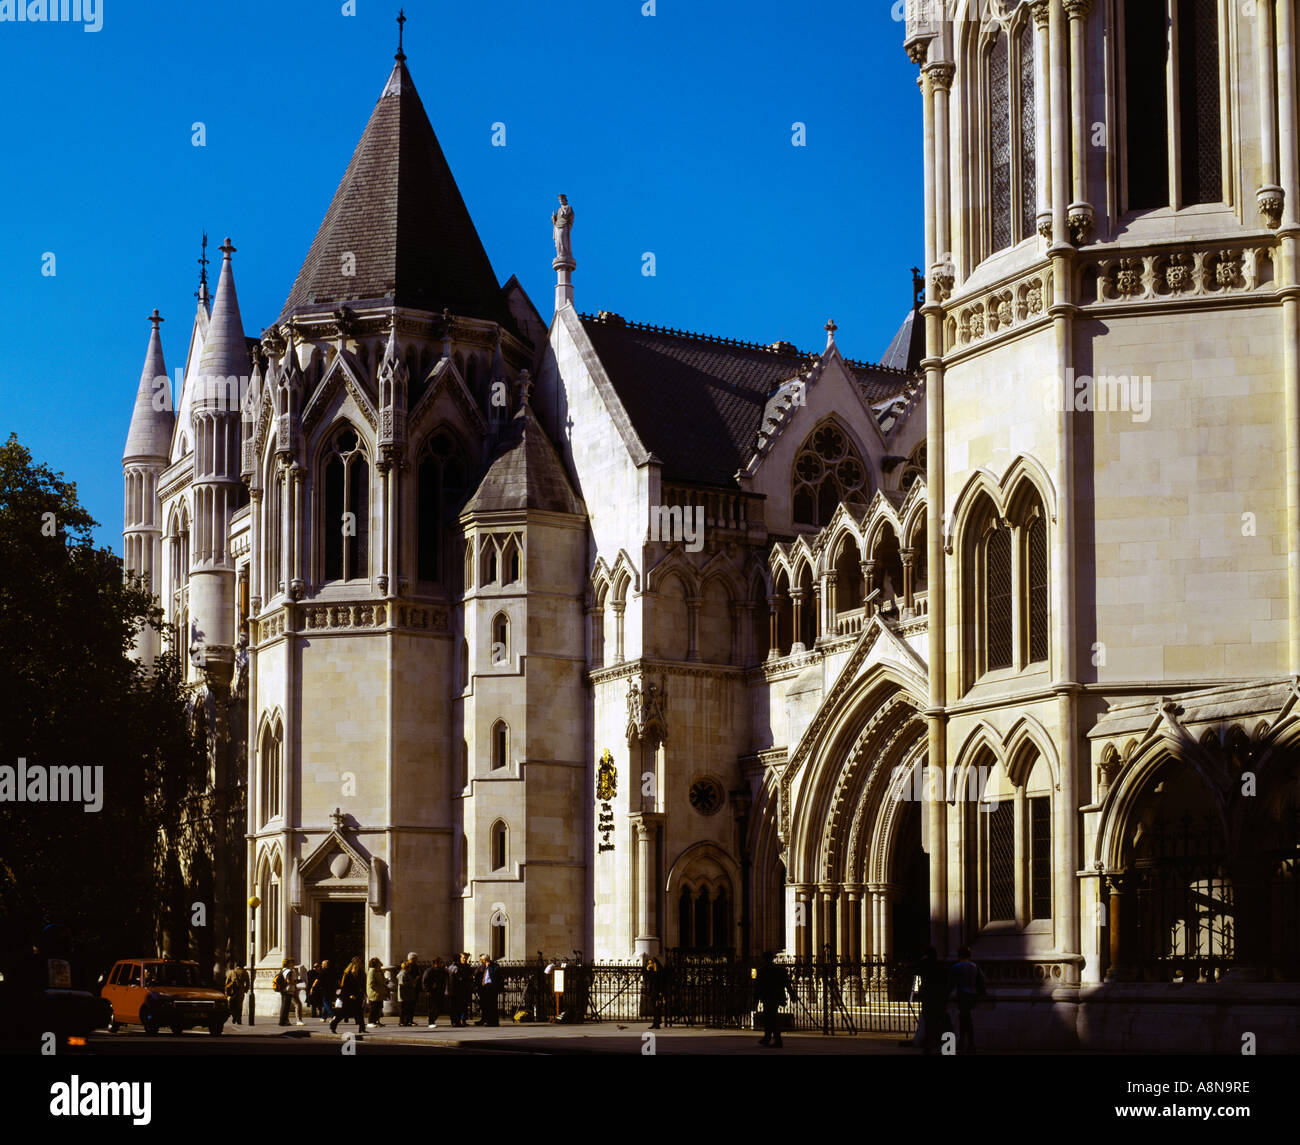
x,y
693,627
1120,919
1289,288
802,920
619,606
1081,218
827,940
773,626
1058,153
646,826
255,563
831,601
907,555
815,924
797,595
917,53
868,586
393,504
1269,195
818,628
939,75
296,531
853,920
1042,120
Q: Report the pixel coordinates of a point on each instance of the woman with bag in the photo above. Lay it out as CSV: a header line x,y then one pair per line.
x,y
376,991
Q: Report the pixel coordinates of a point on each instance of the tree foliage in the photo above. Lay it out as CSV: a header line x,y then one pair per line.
x,y
72,695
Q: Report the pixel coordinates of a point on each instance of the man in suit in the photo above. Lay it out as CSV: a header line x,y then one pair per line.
x,y
489,990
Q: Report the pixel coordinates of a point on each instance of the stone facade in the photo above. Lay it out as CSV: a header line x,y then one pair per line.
x,y
638,639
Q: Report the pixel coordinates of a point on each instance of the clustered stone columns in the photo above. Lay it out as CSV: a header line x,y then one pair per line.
x,y
908,573
619,607
773,627
797,595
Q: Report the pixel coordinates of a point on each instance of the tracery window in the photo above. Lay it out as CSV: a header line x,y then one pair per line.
x,y
1013,833
1005,600
1185,167
1013,171
442,480
272,771
346,521
827,471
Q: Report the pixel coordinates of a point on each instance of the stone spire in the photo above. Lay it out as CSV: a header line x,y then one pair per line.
x,y
225,350
153,419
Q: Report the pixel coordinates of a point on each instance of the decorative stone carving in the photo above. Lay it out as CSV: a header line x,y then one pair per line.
x,y
647,711
1080,225
1270,201
1178,272
1045,226
1182,273
1128,276
941,75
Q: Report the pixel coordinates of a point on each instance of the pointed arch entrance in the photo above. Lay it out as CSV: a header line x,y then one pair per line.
x,y
856,835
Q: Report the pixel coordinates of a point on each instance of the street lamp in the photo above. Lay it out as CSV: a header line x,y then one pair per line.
x,y
253,903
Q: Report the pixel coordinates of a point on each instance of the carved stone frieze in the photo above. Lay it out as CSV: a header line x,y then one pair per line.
x,y
1174,274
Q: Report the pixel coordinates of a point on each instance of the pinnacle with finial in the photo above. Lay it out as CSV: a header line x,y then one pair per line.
x,y
227,248
155,318
401,20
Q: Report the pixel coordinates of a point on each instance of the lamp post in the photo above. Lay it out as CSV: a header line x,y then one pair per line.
x,y
253,903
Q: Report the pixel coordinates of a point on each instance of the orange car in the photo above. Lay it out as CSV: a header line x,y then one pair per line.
x,y
158,992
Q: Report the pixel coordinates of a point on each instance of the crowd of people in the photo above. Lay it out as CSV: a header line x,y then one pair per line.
x,y
336,996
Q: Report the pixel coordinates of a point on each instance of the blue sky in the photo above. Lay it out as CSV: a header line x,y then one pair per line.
x,y
670,134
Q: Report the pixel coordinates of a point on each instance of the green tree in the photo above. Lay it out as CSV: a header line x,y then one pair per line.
x,y
72,695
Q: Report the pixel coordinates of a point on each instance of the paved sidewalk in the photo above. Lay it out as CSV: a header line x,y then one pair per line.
x,y
590,1038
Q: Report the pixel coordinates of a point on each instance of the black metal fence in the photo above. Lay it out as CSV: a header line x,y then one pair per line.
x,y
834,997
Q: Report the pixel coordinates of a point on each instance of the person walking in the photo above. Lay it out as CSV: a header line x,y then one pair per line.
x,y
327,989
965,979
352,994
434,984
489,991
376,991
236,987
293,987
408,990
313,991
934,999
772,987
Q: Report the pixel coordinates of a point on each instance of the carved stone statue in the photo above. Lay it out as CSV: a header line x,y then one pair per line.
x,y
562,220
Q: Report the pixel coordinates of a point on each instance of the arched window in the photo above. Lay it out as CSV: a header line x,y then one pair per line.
x,y
500,744
500,640
1013,176
827,471
346,523
272,771
1155,81
848,575
500,840
442,478
500,924
1013,833
1035,533
1006,574
510,561
270,907
490,562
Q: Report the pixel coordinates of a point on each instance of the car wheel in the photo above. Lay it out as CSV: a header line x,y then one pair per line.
x,y
113,1027
215,1028
148,1021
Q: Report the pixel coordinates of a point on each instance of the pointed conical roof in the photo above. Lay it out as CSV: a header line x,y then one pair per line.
x,y
526,473
225,349
150,434
399,214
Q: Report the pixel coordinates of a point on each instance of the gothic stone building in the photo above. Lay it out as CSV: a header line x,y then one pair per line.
x,y
591,634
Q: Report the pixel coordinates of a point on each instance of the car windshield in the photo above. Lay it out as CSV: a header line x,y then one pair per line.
x,y
171,974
